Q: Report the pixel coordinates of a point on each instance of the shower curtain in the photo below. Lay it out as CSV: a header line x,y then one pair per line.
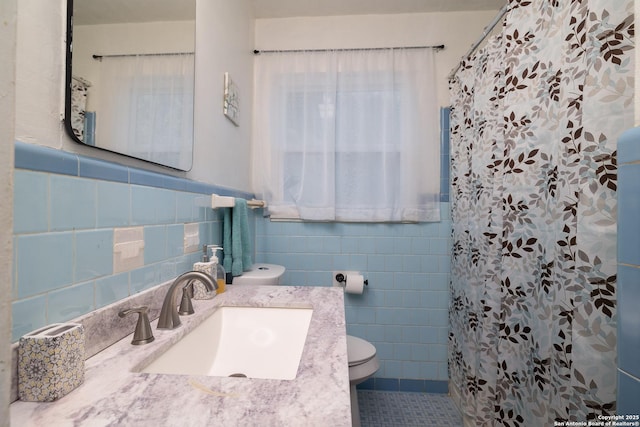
x,y
535,118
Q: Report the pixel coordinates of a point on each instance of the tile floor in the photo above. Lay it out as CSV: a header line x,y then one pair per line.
x,y
400,409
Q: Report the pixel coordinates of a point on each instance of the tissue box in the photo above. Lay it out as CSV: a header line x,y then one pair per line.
x,y
50,362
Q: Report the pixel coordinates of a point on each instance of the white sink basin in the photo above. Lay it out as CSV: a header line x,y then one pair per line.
x,y
256,342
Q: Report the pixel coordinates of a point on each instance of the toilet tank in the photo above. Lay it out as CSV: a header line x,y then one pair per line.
x,y
261,274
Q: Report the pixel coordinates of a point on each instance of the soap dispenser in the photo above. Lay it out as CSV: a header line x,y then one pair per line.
x,y
220,275
205,266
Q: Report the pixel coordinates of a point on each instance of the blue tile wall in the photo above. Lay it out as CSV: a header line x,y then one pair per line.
x,y
72,204
66,208
53,253
31,192
94,254
112,288
628,273
404,309
114,205
70,302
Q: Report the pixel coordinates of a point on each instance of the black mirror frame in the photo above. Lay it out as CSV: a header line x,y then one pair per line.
x,y
68,75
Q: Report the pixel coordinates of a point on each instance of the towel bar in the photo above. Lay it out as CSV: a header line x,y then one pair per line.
x,y
229,202
255,203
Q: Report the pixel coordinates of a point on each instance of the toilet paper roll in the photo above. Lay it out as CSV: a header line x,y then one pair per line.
x,y
355,284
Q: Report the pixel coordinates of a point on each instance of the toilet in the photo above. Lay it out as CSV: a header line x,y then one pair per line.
x,y
363,361
260,274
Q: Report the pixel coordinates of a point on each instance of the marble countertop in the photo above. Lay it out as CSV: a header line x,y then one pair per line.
x,y
114,395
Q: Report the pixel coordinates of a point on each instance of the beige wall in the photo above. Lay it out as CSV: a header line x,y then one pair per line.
x,y
457,30
224,43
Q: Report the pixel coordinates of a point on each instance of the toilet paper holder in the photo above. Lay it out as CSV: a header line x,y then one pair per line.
x,y
342,279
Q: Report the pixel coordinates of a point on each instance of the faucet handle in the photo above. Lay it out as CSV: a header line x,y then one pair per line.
x,y
143,333
186,306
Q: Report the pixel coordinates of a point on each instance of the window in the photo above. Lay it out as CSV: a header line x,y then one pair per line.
x,y
347,136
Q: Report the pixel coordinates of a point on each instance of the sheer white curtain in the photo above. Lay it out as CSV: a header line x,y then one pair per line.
x,y
145,107
347,135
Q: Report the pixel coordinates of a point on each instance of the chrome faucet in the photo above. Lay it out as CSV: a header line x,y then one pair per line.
x,y
169,317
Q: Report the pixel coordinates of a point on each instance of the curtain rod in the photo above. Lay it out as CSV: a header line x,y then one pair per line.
x,y
140,54
484,35
437,47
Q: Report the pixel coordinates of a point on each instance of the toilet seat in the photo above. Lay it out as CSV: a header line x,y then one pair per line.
x,y
359,351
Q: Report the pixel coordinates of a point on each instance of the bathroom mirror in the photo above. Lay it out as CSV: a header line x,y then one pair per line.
x,y
129,84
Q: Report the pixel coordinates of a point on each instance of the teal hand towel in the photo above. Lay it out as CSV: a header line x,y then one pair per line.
x,y
235,239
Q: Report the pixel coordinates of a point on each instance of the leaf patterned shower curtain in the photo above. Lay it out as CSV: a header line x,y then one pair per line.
x,y
535,119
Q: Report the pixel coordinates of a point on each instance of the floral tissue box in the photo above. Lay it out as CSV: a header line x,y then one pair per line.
x,y
50,362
